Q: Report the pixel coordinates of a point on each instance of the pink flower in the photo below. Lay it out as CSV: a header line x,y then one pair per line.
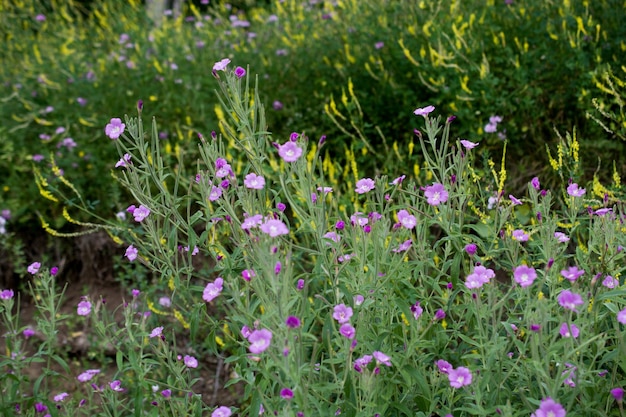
x,y
215,194
403,247
574,191
124,161
131,253
469,145
289,152
570,300
84,308
240,72
286,393
60,397
364,185
156,332
436,194
34,268
212,290
479,277
221,412
572,273
621,316
444,366
406,220
535,183
381,358
141,213
87,375
342,313
221,65
549,408
610,282
347,330
362,362
417,310
116,386
259,340
569,330
524,275
274,228
114,128
424,111
252,222
459,377
190,361
561,237
254,181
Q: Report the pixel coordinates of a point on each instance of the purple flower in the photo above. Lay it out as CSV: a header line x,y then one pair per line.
x,y
6,294
440,314
166,393
459,377
479,277
515,200
212,290
444,367
549,408
221,65
222,168
28,333
252,222
84,308
140,213
277,267
561,237
342,313
215,194
519,235
362,362
286,393
379,45
248,274
618,394
292,322
417,310
300,284
470,249
364,185
114,128
436,194
274,228
60,397
87,375
570,300
34,268
40,18
289,152
254,181
381,358
524,275
156,332
621,316
572,273
469,145
277,105
332,236
569,330
347,330
240,72
574,191
40,407
116,386
406,220
221,412
131,253
423,111
610,282
124,161
190,361
259,340
535,183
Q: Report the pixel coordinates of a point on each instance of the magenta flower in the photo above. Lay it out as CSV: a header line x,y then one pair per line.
x,y
221,65
618,394
444,366
469,145
240,72
259,340
87,375
621,316
34,268
254,181
156,332
524,275
406,220
114,128
289,152
424,111
248,274
479,277
417,310
440,314
381,358
190,361
140,213
124,161
84,308
342,313
116,386
572,273
221,412
610,282
549,408
252,222
570,300
6,294
212,290
561,237
274,228
364,185
347,330
570,330
535,183
166,393
286,393
459,377
519,235
575,191
131,253
28,333
292,322
436,194
40,407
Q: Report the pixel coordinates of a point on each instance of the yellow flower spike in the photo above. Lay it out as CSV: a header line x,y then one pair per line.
x,y
590,306
616,178
502,171
404,320
262,309
170,284
444,324
540,296
416,170
181,319
407,53
219,341
155,310
365,268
